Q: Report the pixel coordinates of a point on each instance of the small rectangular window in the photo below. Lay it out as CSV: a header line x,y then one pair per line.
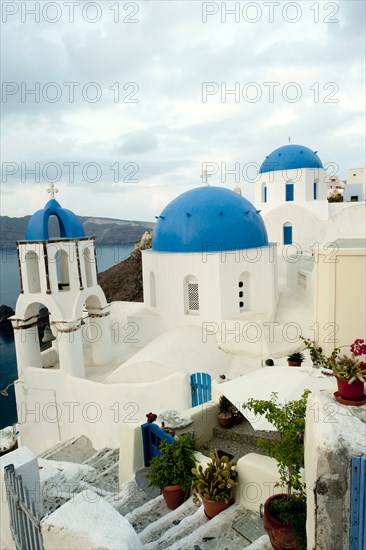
x,y
193,298
289,192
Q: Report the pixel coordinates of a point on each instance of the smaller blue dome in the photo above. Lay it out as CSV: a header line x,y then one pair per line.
x,y
211,219
70,225
290,157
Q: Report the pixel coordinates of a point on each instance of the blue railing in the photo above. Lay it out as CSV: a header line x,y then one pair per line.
x,y
152,436
357,533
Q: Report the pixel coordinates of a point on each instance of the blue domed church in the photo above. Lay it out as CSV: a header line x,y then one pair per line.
x,y
291,191
210,259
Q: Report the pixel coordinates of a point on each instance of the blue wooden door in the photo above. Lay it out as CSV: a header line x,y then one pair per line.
x,y
152,436
201,388
357,532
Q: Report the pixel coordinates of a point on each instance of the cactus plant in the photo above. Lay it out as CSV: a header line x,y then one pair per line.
x,y
217,481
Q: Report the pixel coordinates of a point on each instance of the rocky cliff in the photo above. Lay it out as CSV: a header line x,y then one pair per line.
x,y
105,230
123,281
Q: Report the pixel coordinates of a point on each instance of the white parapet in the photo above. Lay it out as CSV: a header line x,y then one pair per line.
x,y
88,521
258,476
131,456
334,433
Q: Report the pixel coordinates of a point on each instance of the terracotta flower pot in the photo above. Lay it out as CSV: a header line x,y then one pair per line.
x,y
352,391
280,534
238,419
213,507
294,364
173,496
225,421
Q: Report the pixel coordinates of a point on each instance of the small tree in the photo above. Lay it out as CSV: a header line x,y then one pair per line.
x,y
289,419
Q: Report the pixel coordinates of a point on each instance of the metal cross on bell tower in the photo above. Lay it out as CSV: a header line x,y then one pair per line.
x,y
204,177
52,190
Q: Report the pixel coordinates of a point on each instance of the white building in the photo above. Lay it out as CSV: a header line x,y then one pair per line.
x,y
211,302
210,268
292,195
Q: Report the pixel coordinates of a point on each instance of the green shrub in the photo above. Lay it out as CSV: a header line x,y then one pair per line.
x,y
174,465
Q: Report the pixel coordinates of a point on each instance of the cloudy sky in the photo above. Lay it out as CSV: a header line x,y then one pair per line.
x,y
130,99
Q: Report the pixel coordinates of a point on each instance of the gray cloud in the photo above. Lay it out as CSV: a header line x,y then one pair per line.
x,y
169,131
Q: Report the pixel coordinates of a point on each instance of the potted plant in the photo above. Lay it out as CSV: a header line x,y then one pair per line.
x,y
350,373
285,513
225,415
214,485
238,416
295,359
171,472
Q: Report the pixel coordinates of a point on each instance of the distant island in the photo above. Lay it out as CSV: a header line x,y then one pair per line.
x,y
105,230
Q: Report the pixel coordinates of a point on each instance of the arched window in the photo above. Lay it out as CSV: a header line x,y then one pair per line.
x,y
244,291
62,267
191,295
287,233
315,190
152,290
264,192
32,267
88,266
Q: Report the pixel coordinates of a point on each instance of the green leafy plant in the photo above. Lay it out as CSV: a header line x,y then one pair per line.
x,y
291,512
225,406
317,355
217,481
174,465
297,357
288,450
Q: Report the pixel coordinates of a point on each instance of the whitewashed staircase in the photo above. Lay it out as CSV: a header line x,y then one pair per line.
x,y
185,528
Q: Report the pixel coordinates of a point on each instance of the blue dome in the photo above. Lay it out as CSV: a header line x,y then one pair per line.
x,y
209,219
290,157
70,225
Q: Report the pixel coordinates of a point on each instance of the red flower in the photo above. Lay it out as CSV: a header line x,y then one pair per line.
x,y
358,347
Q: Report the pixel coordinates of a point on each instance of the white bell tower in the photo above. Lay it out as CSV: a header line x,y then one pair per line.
x,y
60,274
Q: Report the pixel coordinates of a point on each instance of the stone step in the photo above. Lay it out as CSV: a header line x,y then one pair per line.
x,y
147,514
169,519
107,479
216,534
136,499
77,449
103,459
56,448
244,433
173,527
